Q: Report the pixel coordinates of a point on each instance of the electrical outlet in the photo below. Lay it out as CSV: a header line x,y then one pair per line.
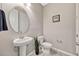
x,y
59,41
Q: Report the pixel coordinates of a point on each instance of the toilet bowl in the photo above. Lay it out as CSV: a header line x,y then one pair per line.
x,y
45,47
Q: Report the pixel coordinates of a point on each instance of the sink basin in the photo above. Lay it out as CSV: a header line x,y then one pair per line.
x,y
22,42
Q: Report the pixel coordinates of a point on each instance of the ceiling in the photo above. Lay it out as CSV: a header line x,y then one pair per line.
x,y
44,4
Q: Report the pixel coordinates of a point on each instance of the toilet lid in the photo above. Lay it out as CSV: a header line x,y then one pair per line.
x,y
47,45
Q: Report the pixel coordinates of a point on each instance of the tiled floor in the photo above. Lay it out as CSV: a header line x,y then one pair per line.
x,y
43,54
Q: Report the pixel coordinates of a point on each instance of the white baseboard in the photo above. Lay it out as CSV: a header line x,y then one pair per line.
x,y
63,53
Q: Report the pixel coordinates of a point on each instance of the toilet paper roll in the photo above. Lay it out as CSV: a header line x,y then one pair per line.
x,y
77,40
77,49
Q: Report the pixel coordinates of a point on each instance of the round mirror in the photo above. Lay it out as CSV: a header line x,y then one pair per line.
x,y
19,19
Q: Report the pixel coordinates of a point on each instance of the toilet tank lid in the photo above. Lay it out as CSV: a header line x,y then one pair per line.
x,y
41,37
47,44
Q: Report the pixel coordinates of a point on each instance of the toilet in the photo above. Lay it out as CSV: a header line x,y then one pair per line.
x,y
45,47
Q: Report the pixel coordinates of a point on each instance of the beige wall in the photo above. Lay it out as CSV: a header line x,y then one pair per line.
x,y
64,30
36,26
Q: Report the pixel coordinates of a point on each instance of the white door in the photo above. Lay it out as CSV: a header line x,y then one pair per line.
x,y
77,22
77,28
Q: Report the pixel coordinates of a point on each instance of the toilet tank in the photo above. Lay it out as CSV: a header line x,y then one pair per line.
x,y
40,39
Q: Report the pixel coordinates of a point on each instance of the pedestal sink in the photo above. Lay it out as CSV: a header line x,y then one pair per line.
x,y
22,44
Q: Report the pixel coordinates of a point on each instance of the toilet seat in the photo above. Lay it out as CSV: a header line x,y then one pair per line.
x,y
46,45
